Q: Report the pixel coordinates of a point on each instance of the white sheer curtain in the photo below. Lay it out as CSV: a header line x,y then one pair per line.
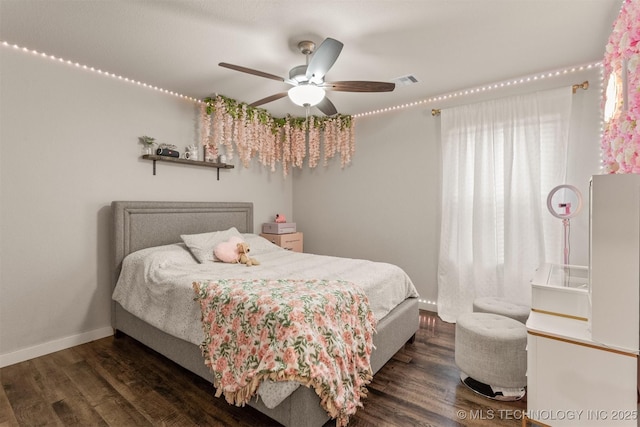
x,y
500,159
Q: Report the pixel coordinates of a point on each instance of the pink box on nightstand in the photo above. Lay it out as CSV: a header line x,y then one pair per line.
x,y
279,227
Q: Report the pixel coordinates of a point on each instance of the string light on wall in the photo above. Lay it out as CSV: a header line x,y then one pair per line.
x,y
426,301
481,89
97,71
461,93
260,129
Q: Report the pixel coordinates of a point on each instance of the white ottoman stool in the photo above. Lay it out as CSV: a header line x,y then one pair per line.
x,y
490,350
503,307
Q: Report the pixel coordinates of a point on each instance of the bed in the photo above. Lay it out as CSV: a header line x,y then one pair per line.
x,y
141,225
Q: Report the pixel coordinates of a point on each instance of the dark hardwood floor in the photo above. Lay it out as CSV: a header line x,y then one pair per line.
x,y
119,382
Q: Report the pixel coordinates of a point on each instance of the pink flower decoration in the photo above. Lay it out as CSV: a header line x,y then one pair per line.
x,y
621,139
251,133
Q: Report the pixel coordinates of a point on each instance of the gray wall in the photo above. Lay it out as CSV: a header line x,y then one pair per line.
x,y
69,146
386,205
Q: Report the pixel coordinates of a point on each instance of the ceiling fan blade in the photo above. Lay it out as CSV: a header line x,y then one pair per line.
x,y
327,107
360,86
322,59
268,99
251,71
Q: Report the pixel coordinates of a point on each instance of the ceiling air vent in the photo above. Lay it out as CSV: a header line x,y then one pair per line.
x,y
405,80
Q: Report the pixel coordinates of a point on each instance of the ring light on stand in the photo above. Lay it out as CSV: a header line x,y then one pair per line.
x,y
565,202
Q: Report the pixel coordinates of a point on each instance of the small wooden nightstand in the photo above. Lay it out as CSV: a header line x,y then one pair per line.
x,y
290,241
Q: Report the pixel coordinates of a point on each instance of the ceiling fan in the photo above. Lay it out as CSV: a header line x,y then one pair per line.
x,y
308,80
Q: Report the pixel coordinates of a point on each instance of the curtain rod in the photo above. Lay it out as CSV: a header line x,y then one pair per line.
x,y
584,85
574,88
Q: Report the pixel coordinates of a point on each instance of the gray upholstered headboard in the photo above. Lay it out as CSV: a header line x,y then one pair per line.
x,y
139,225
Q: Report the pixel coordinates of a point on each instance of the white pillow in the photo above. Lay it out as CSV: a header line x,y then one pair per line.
x,y
202,245
259,244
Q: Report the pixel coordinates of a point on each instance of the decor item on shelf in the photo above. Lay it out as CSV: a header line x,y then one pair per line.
x,y
565,202
210,153
233,126
308,80
168,146
191,152
148,143
167,152
280,218
222,158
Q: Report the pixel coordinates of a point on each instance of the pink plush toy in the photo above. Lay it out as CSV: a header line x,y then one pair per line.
x,y
280,218
228,251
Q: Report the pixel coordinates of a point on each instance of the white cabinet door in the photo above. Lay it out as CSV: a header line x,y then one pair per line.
x,y
572,384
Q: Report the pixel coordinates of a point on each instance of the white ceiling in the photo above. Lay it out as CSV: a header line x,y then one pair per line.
x,y
447,45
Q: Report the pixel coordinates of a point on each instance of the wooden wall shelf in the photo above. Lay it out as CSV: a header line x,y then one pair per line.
x,y
155,158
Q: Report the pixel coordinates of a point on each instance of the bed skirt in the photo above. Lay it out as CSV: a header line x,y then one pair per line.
x,y
302,408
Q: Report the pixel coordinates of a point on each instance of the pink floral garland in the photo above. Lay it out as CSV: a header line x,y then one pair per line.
x,y
206,135
621,138
250,133
286,147
314,142
330,143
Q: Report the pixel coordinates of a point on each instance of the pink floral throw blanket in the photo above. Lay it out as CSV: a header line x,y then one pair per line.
x,y
316,332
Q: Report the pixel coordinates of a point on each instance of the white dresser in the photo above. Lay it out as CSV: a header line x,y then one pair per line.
x,y
582,341
574,381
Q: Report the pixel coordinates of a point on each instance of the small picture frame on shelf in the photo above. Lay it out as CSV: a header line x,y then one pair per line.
x,y
191,152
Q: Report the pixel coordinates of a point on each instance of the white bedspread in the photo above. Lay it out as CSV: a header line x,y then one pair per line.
x,y
156,283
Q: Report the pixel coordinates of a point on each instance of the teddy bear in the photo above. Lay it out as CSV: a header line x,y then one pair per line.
x,y
243,250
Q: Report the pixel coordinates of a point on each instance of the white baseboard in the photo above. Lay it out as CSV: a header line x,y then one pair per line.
x,y
28,353
53,346
427,305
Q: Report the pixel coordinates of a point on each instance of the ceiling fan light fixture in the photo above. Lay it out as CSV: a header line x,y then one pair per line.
x,y
304,95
